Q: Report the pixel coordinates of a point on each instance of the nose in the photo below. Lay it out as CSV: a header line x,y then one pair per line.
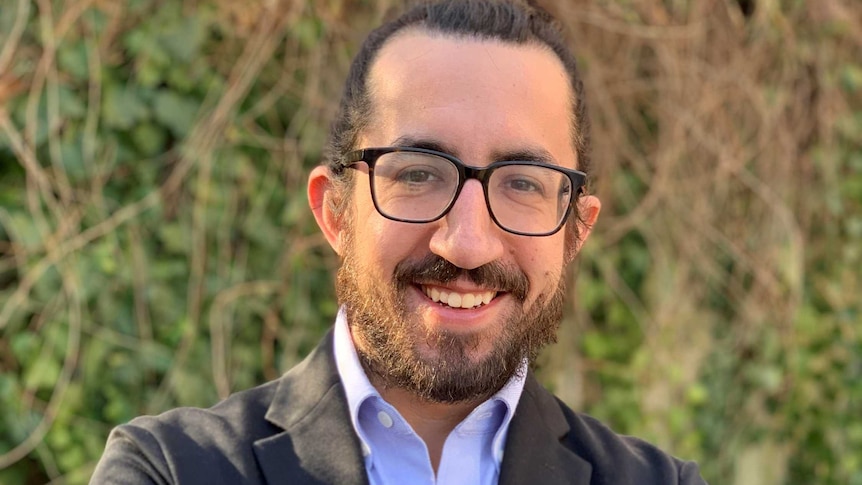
x,y
467,236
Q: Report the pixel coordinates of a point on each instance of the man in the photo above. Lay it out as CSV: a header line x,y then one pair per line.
x,y
453,193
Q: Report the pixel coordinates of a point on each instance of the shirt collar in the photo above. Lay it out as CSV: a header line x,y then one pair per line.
x,y
356,384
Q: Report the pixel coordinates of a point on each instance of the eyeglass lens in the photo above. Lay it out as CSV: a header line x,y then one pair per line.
x,y
420,187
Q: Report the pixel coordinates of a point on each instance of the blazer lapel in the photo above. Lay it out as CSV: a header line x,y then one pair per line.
x,y
534,453
317,444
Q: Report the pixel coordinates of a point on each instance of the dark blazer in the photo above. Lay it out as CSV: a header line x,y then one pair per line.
x,y
297,430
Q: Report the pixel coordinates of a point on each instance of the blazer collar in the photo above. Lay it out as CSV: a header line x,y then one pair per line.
x,y
534,452
317,444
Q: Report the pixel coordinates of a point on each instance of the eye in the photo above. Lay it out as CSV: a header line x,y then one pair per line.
x,y
417,175
524,185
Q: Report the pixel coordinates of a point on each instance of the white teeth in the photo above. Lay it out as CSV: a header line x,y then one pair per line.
x,y
459,300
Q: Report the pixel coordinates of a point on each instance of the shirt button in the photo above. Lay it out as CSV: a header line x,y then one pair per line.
x,y
384,419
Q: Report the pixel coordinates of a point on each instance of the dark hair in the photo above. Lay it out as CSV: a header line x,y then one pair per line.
x,y
510,21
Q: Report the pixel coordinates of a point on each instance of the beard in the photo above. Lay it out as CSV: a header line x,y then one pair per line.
x,y
390,336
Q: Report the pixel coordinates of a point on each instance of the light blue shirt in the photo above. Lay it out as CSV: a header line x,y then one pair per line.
x,y
396,455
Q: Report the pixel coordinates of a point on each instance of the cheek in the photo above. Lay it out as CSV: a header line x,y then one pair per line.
x,y
543,262
382,244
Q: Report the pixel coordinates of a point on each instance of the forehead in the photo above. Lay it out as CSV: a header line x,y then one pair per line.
x,y
476,97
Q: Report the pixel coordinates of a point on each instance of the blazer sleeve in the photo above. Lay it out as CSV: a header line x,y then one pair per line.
x,y
133,456
689,474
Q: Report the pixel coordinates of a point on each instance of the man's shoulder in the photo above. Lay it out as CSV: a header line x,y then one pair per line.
x,y
613,454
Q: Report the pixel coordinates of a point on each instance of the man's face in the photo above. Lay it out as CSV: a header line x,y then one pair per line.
x,y
481,101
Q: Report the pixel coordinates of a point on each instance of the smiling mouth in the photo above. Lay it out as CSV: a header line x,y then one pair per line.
x,y
455,299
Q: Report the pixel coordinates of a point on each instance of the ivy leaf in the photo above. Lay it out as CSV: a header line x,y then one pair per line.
x,y
184,39
155,357
72,58
24,230
851,77
24,345
123,107
149,138
73,159
43,374
175,111
71,105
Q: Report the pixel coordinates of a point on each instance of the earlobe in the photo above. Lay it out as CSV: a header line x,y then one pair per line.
x,y
589,207
320,199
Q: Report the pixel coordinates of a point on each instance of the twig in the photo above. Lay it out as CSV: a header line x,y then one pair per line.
x,y
94,104
218,317
11,42
52,98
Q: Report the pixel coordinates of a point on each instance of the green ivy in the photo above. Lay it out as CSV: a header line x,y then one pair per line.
x,y
170,257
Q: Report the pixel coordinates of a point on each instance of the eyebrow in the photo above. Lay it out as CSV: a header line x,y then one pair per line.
x,y
426,143
527,154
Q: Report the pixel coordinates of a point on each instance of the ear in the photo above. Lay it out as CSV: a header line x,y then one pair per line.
x,y
321,194
589,207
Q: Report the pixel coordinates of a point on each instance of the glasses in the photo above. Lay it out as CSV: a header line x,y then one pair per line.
x,y
418,185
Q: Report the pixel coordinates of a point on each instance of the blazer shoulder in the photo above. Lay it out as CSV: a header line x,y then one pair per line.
x,y
618,458
190,445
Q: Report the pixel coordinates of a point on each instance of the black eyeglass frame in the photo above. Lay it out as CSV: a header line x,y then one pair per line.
x,y
465,172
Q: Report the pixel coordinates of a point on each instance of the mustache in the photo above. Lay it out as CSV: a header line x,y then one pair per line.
x,y
435,269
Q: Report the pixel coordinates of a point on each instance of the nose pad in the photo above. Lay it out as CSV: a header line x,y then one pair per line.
x,y
467,236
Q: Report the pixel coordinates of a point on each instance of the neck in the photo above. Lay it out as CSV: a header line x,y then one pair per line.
x,y
430,420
